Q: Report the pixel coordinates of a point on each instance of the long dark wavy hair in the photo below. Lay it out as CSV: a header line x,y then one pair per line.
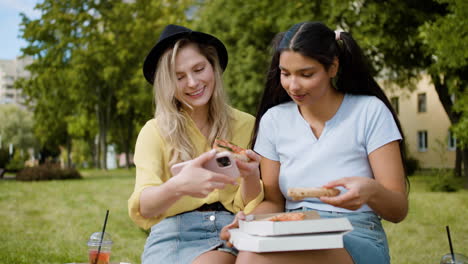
x,y
315,40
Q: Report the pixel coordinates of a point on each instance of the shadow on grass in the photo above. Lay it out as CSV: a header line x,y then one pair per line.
x,y
108,174
118,174
8,177
109,177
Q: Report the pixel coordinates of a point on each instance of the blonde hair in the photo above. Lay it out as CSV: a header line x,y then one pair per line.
x,y
172,122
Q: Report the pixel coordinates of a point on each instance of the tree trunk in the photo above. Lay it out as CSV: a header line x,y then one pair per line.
x,y
127,152
465,166
97,146
98,139
129,138
458,162
103,113
127,159
103,146
444,97
69,150
92,147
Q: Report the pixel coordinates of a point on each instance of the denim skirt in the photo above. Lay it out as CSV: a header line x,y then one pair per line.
x,y
181,238
367,243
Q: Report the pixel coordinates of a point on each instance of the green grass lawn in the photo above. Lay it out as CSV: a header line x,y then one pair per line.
x,y
50,222
422,237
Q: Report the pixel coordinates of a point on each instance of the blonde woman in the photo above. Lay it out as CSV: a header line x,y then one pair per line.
x,y
187,211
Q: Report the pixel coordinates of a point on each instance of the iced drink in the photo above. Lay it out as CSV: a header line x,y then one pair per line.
x,y
99,251
459,259
104,257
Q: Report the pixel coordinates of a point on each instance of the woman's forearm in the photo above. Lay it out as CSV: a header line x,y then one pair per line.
x,y
390,205
267,207
155,200
389,198
250,188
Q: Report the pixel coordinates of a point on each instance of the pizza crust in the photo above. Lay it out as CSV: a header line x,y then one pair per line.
x,y
286,217
312,192
237,152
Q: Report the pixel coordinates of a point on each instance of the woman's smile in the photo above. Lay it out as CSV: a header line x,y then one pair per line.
x,y
298,97
198,93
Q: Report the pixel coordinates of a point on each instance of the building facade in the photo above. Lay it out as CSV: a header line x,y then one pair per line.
x,y
10,71
425,124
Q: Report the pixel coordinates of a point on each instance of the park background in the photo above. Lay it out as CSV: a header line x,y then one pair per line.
x,y
86,92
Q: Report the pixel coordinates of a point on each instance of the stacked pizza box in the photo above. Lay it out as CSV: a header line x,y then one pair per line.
x,y
259,234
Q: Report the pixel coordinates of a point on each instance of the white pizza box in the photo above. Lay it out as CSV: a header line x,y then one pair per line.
x,y
245,242
257,225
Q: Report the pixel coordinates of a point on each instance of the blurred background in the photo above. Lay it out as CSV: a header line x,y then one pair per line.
x,y
73,98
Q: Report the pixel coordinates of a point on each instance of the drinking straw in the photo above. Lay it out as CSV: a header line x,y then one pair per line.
x,y
450,243
102,237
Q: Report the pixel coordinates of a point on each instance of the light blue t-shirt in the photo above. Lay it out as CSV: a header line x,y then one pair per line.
x,y
361,125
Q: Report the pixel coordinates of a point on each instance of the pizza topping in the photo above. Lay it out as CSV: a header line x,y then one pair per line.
x,y
237,152
287,217
228,145
225,147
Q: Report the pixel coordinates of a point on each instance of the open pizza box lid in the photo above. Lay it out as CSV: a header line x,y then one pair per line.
x,y
312,224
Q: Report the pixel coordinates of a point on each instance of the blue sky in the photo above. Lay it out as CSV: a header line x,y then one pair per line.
x,y
10,19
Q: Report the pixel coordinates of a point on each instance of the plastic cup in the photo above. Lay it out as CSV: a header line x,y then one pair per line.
x,y
459,259
99,253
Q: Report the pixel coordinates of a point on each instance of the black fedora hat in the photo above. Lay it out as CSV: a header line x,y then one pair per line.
x,y
169,36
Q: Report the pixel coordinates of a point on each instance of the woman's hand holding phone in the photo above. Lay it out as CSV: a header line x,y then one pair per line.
x,y
196,181
222,162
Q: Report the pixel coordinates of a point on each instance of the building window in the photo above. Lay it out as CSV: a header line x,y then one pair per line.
x,y
422,141
422,104
395,104
452,141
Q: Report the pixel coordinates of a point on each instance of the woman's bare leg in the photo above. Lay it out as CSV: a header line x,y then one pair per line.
x,y
329,256
215,257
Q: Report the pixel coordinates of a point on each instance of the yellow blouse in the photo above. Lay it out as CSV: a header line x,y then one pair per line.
x,y
151,160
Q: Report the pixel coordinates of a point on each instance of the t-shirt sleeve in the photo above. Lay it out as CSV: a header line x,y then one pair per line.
x,y
265,143
381,127
149,163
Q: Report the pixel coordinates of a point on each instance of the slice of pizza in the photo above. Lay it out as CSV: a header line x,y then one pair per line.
x,y
237,152
287,217
312,192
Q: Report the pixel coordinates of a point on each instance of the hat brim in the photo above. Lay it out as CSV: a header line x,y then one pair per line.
x,y
151,61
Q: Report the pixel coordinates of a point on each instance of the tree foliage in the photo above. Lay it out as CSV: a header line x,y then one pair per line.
x,y
86,74
88,55
16,128
403,39
248,31
445,40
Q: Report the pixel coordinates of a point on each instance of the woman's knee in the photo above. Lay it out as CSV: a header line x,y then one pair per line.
x,y
215,256
248,257
308,256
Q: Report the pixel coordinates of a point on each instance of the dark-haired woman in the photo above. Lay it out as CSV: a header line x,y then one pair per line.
x,y
324,121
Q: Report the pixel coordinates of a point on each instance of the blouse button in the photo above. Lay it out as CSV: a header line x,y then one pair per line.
x,y
212,217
